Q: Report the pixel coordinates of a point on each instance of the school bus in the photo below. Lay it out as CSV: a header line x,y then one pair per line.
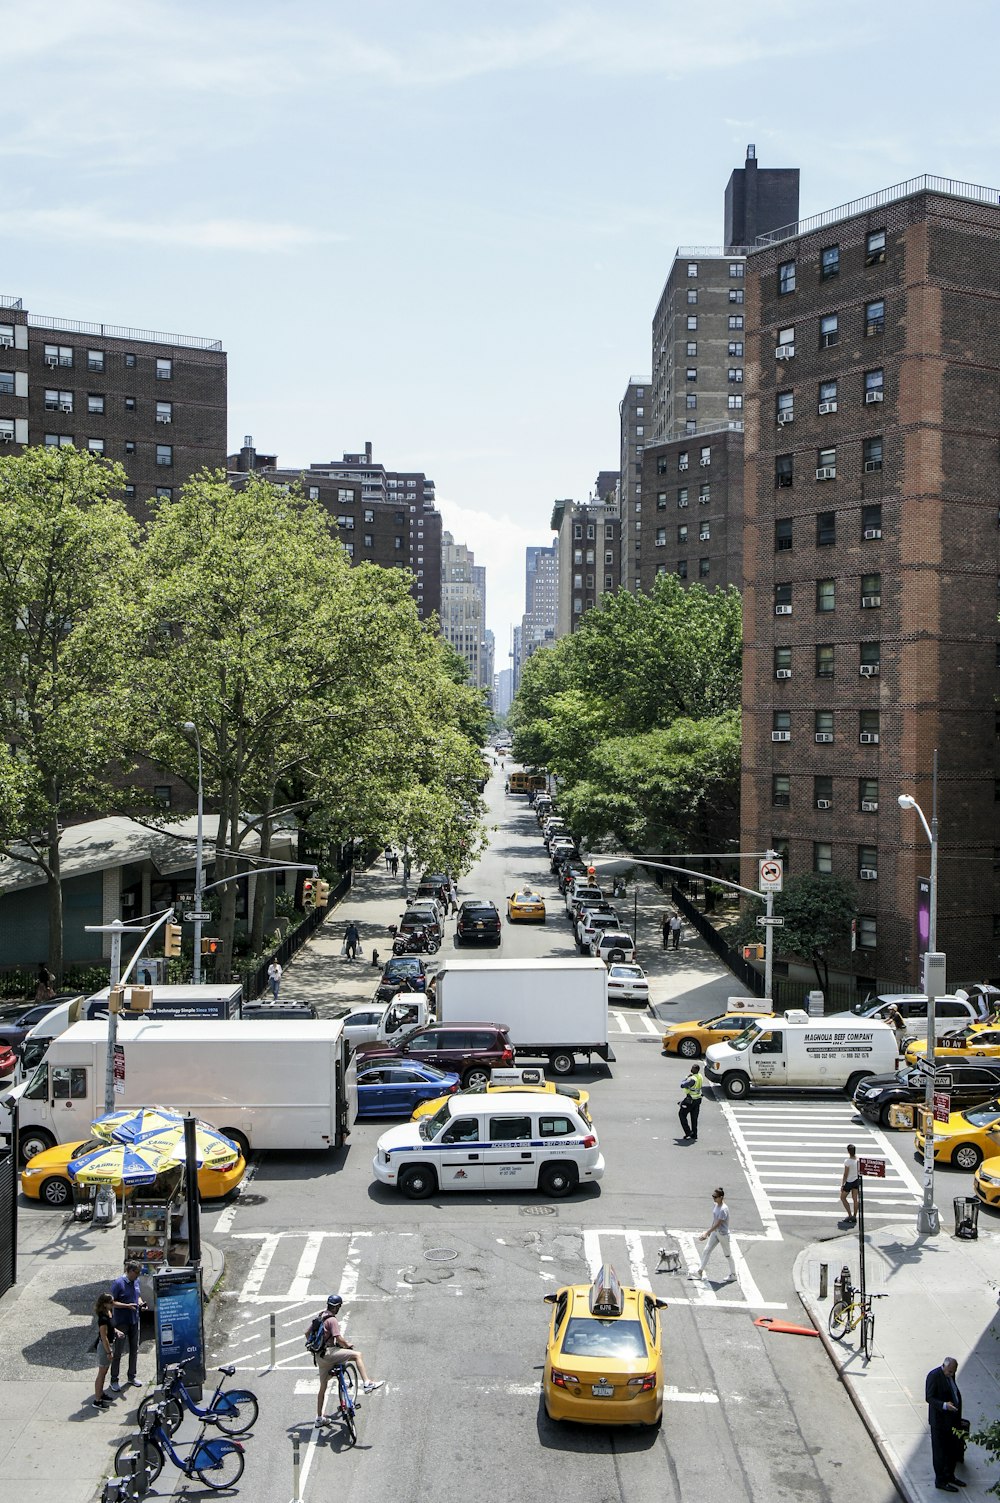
x,y
524,782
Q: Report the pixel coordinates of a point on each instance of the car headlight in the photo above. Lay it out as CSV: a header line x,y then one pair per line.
x,y
870,1092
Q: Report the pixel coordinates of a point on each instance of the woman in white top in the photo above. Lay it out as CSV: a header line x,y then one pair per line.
x,y
849,1185
718,1233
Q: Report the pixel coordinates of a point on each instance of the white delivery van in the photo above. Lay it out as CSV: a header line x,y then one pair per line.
x,y
265,1085
515,1140
796,1051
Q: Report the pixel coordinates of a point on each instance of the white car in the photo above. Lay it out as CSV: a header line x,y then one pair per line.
x,y
584,892
613,944
435,914
594,918
627,983
361,1025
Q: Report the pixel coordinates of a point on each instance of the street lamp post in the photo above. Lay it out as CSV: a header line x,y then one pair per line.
x,y
192,730
928,1218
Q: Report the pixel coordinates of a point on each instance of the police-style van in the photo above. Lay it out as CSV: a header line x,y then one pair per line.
x,y
800,1052
518,1140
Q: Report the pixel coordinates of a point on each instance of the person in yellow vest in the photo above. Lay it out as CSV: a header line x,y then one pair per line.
x,y
691,1104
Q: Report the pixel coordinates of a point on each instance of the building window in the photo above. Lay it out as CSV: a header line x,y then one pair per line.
x,y
397,544
786,342
735,320
823,725
736,268
829,331
164,454
682,533
871,591
868,861
131,361
682,459
682,568
661,500
735,401
783,535
826,595
609,582
704,568
829,262
690,425
345,522
130,493
779,845
57,440
640,412
736,294
871,522
874,385
95,445
129,446
871,454
870,658
786,278
868,726
95,360
784,408
827,397
59,354
162,794
736,373
692,322
782,662
164,493
692,348
7,383
826,463
578,555
639,431
781,723
349,549
784,471
782,600
867,931
130,404
95,403
822,792
825,660
692,294
164,369
822,856
735,350
164,412
691,400
661,537
692,268
682,495
868,795
875,317
609,558
826,529
705,457
875,248
691,374
704,531
781,790
58,401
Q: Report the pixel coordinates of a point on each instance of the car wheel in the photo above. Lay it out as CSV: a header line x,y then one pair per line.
x,y
557,1180
689,1048
240,1139
855,1081
476,1077
32,1141
55,1192
883,1116
967,1156
417,1183
736,1086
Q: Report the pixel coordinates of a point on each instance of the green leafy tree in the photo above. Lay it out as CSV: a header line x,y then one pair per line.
x,y
69,637
817,910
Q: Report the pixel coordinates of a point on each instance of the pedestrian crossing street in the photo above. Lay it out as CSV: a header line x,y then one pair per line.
x,y
637,1022
793,1153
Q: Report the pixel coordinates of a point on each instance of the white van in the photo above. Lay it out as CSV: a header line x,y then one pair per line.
x,y
796,1051
520,1140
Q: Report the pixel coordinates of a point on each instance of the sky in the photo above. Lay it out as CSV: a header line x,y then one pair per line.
x,y
444,226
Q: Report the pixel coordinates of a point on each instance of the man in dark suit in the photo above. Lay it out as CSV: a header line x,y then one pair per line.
x,y
944,1410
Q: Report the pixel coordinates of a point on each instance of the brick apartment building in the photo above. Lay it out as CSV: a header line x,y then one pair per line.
x,y
634,424
872,562
385,517
693,510
588,541
154,402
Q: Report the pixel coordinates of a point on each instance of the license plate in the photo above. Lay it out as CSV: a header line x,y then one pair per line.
x,y
602,1390
479,926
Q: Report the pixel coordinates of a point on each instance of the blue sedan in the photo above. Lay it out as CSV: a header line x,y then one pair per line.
x,y
395,1090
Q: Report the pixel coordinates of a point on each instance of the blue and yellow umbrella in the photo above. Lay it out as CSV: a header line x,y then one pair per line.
x,y
120,1164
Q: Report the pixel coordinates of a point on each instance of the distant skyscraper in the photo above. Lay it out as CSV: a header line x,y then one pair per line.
x,y
463,616
541,602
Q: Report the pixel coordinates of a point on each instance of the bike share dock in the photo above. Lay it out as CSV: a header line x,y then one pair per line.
x,y
941,1301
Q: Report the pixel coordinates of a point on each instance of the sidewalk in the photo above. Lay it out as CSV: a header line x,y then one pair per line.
x,y
54,1446
942,1302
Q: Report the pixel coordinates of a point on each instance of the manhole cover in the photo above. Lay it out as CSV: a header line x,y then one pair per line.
x,y
538,1210
441,1254
252,1200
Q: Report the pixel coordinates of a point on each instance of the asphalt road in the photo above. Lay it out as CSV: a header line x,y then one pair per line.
x,y
445,1300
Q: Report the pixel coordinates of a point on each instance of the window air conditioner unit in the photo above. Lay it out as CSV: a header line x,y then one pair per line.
x,y
873,396
823,737
6,437
7,341
682,503
869,738
872,533
782,610
824,803
52,360
704,461
782,673
682,466
869,806
827,472
872,466
661,542
785,417
870,602
781,735
162,417
825,407
65,406
869,670
868,874
784,352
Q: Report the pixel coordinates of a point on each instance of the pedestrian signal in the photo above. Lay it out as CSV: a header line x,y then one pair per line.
x,y
753,952
211,946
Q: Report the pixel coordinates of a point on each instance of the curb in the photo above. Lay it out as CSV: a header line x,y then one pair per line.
x,y
886,1453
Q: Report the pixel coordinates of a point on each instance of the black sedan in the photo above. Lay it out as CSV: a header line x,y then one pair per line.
x,y
966,1081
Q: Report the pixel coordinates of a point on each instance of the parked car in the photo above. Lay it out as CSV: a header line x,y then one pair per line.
x,y
526,906
434,915
8,1061
570,870
967,1081
613,944
14,1032
415,919
580,895
478,923
585,924
361,1024
394,1090
950,1012
471,1050
627,983
401,972
45,1176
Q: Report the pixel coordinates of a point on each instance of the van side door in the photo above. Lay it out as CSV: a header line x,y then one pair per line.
x,y
459,1154
511,1154
767,1059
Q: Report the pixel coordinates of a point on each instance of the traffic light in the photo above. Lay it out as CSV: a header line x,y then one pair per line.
x,y
308,894
322,894
753,952
172,940
211,946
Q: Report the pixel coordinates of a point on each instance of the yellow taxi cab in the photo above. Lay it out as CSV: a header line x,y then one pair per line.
x,y
987,1182
510,1080
976,1038
691,1039
604,1363
526,905
965,1139
46,1176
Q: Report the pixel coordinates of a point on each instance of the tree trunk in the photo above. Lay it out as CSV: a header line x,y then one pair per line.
x,y
816,957
55,897
263,898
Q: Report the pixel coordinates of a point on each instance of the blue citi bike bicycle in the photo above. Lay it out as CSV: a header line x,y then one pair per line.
x,y
233,1410
347,1407
215,1462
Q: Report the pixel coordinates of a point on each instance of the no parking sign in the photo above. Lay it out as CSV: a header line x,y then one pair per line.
x,y
769,875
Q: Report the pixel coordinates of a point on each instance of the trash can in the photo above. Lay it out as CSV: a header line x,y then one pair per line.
x,y
966,1217
105,1206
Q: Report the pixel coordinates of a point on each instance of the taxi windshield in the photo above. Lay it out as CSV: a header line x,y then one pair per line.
x,y
429,1127
604,1338
745,1039
982,1116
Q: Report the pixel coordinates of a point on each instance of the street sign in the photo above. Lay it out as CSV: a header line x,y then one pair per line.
x,y
197,918
942,1106
774,922
872,1168
119,1070
769,875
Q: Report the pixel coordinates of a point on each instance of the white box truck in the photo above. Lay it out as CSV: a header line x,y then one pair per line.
x,y
552,1009
796,1051
265,1085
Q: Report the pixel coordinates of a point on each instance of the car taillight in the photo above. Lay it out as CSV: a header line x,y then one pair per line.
x,y
452,1088
645,1384
507,1057
590,1141
563,1380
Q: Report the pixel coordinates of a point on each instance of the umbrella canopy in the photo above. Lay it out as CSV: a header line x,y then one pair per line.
x,y
161,1129
120,1164
134,1122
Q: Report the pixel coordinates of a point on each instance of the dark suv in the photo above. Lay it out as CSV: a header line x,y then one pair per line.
x,y
478,923
471,1050
402,973
966,1081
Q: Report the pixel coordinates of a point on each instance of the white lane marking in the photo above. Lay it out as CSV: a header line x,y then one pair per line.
x,y
726,1304
898,1162
305,1385
299,1287
592,1251
838,1215
672,1395
764,1210
255,1278
349,1277
637,1262
619,1018
648,1024
228,1213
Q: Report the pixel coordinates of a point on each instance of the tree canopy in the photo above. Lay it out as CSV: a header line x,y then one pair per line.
x,y
818,910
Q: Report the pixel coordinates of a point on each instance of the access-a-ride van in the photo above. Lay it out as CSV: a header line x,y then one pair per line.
x,y
798,1052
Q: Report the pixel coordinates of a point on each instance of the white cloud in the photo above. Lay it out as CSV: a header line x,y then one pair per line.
x,y
499,543
90,224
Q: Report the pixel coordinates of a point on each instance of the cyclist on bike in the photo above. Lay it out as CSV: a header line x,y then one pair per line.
x,y
338,1351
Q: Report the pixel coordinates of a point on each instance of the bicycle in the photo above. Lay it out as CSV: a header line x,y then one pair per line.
x,y
855,1311
216,1463
347,1388
234,1411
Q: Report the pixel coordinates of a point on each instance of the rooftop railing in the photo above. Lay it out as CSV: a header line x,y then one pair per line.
x,y
948,186
120,331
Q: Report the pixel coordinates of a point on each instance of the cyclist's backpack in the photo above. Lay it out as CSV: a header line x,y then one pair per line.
x,y
316,1336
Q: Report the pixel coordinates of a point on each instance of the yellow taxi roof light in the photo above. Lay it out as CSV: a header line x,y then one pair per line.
x,y
606,1297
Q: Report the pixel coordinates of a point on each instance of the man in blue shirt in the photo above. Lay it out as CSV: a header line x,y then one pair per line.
x,y
128,1303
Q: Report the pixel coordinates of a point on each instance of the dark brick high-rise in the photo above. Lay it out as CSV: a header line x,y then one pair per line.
x,y
872,559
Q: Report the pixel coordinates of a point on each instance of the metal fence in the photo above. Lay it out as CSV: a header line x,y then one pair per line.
x,y
8,1215
741,969
255,981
